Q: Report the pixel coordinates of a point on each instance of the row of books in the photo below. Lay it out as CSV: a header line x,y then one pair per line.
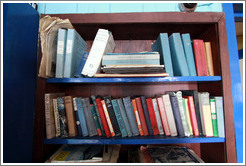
x,y
183,56
181,113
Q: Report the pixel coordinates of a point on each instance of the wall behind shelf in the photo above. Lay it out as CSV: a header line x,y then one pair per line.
x,y
59,8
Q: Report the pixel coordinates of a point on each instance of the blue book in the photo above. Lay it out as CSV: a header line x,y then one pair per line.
x,y
162,46
81,116
79,129
220,116
62,116
81,65
74,51
124,116
180,67
130,114
131,62
60,53
189,54
119,118
146,115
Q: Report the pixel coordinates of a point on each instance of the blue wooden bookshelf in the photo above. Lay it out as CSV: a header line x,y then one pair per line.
x,y
134,140
134,80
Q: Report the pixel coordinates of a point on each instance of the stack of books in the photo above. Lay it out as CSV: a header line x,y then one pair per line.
x,y
176,113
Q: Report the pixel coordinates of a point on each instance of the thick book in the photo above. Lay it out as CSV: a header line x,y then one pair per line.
x,y
220,115
193,117
71,121
141,116
187,112
103,117
74,51
61,51
50,114
180,67
124,117
135,109
111,129
95,118
81,65
207,119
102,44
119,118
177,116
163,115
130,115
157,116
93,97
57,119
112,115
194,94
209,58
189,53
214,117
170,116
200,57
81,122
89,118
62,117
152,116
146,115
162,46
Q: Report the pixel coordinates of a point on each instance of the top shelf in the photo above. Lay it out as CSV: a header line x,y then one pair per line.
x,y
134,80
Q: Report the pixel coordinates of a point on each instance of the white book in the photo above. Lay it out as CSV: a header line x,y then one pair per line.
x,y
170,117
131,56
102,44
158,117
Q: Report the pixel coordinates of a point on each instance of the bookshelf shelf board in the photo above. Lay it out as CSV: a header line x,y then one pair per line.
x,y
134,80
134,140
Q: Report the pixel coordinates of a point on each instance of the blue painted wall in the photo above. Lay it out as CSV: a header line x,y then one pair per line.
x,y
58,8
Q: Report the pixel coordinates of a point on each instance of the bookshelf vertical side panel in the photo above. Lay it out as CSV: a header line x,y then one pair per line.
x,y
227,93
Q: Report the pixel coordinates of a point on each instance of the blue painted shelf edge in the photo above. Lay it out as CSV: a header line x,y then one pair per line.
x,y
134,140
135,79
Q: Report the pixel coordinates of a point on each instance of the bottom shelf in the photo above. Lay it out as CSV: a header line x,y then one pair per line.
x,y
134,140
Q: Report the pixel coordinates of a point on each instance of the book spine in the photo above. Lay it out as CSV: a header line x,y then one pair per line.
x,y
197,111
132,62
103,118
146,115
119,118
81,65
141,115
158,117
200,58
50,131
131,57
214,117
62,116
186,108
81,114
77,117
152,116
130,115
108,118
201,114
57,120
68,56
112,116
95,118
220,115
134,105
124,116
97,112
72,127
193,115
163,116
209,58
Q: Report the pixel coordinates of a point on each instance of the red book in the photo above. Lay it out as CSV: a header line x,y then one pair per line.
x,y
141,115
135,109
192,114
163,115
152,116
103,118
200,57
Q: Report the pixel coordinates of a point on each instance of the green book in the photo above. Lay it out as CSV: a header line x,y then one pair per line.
x,y
95,118
214,117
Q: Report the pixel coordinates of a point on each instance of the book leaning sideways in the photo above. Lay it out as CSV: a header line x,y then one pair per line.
x,y
102,44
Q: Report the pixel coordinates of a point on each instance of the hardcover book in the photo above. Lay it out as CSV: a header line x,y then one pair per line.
x,y
146,115
135,109
141,116
209,58
130,115
201,114
81,65
152,116
79,129
158,117
95,118
74,51
220,115
162,46
131,62
57,118
111,129
62,117
180,67
186,108
214,117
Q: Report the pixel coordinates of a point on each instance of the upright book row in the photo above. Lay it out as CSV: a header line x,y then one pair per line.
x,y
182,113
